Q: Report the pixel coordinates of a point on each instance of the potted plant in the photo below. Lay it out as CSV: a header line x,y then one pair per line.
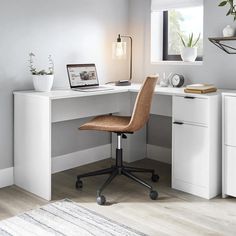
x,y
228,31
232,7
189,50
42,79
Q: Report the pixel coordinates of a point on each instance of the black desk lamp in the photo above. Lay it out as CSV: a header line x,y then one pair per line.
x,y
120,52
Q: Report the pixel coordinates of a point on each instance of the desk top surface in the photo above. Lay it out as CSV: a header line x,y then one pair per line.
x,y
66,93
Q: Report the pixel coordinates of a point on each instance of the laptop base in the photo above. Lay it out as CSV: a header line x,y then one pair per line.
x,y
92,89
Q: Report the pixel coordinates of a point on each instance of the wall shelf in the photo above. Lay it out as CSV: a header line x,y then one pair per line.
x,y
220,42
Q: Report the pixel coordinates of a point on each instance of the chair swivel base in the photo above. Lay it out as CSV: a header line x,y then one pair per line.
x,y
116,170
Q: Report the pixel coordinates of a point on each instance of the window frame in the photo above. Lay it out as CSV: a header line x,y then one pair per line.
x,y
166,55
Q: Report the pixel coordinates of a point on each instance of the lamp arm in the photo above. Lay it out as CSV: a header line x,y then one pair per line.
x,y
131,54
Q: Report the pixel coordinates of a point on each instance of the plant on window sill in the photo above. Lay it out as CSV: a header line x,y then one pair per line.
x,y
189,50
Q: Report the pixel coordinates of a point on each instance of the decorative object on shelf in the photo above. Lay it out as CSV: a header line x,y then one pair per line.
x,y
42,79
228,31
164,81
177,80
119,51
200,88
189,51
220,43
232,7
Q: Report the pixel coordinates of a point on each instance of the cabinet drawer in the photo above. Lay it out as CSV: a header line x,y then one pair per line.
x,y
230,170
230,120
190,109
190,154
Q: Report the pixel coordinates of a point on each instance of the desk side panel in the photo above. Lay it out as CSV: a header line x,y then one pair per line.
x,y
32,145
215,140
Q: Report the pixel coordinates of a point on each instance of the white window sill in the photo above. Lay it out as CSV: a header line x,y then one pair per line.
x,y
178,63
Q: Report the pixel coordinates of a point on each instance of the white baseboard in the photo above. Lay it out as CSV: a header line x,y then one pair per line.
x,y
158,153
6,177
83,157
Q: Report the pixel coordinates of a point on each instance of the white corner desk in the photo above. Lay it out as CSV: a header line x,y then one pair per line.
x,y
196,128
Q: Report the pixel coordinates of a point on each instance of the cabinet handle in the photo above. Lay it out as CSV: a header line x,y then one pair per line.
x,y
178,123
188,97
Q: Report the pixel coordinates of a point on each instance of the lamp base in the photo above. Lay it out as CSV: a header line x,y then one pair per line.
x,y
123,83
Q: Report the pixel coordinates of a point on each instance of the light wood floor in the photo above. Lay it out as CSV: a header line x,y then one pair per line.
x,y
175,213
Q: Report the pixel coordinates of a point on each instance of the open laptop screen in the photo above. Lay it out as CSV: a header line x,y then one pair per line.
x,y
82,75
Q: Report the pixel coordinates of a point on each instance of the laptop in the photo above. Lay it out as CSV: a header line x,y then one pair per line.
x,y
83,77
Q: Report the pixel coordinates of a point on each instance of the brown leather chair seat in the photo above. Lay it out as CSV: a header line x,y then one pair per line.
x,y
108,123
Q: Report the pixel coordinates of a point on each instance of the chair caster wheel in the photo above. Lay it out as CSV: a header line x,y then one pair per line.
x,y
101,200
79,184
155,178
153,195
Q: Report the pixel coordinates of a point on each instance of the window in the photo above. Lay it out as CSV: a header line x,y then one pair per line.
x,y
182,21
169,21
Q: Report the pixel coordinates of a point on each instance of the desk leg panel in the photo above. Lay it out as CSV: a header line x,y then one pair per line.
x,y
32,144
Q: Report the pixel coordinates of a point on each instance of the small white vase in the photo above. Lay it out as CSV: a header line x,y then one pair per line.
x,y
189,54
228,31
43,83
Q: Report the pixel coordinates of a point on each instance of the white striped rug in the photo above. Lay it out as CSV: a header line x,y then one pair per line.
x,y
63,218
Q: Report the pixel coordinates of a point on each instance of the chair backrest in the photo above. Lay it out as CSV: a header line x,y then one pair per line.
x,y
141,111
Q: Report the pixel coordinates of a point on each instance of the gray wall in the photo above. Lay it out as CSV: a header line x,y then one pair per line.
x,y
73,31
66,138
159,131
218,67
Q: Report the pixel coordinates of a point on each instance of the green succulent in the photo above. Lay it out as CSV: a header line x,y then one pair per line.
x,y
190,43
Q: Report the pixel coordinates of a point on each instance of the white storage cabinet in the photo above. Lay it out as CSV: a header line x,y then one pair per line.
x,y
196,157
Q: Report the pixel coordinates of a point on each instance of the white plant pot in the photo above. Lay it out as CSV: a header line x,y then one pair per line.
x,y
43,83
189,54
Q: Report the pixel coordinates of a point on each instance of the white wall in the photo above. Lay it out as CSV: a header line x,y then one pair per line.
x,y
137,29
218,67
73,31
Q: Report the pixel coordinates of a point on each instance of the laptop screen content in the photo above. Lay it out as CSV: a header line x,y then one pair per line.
x,y
82,75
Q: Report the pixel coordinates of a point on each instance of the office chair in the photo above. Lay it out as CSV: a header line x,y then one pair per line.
x,y
122,125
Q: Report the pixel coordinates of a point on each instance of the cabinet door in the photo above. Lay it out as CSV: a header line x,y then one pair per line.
x,y
230,170
190,154
230,120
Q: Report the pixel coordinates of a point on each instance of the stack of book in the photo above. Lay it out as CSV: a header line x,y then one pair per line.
x,y
200,88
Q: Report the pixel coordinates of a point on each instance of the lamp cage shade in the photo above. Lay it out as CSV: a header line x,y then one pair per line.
x,y
119,50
